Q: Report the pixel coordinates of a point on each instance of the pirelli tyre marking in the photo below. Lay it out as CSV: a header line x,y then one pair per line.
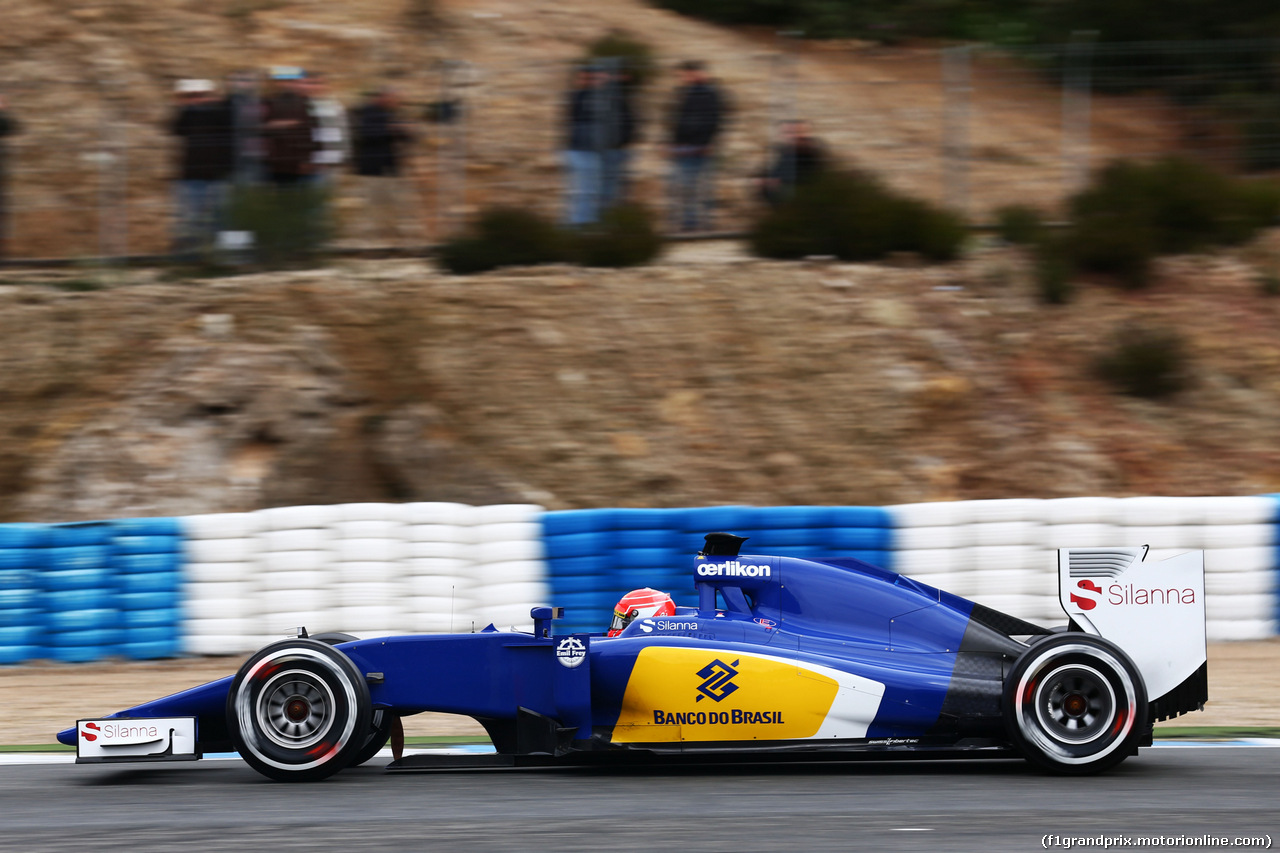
x,y
684,694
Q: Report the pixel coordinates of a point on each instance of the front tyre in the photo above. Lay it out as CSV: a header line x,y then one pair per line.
x,y
299,711
1075,704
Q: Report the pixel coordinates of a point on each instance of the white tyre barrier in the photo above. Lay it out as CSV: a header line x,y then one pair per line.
x,y
508,551
371,620
297,539
368,594
1006,582
924,561
1026,607
1259,559
451,533
522,531
1080,511
365,512
271,601
1238,510
526,571
368,550
314,560
1170,537
296,517
939,514
1082,535
223,525
437,566
508,616
220,645
1238,607
448,550
1240,583
309,579
1022,558
1238,536
371,529
370,571
938,580
438,513
1157,511
197,609
230,590
240,549
507,514
928,538
437,586
502,595
429,622
199,573
1229,630
1006,533
999,511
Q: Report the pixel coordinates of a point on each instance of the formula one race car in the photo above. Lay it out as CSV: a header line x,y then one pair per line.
x,y
782,659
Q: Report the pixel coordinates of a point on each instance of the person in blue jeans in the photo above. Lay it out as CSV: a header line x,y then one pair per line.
x,y
203,123
695,124
585,129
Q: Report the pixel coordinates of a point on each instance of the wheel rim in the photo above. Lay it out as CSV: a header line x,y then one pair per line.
x,y
295,709
1075,704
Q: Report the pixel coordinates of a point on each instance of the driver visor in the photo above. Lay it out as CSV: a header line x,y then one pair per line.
x,y
622,620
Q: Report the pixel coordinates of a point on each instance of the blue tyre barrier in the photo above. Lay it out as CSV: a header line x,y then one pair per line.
x,y
79,534
145,544
169,648
19,635
14,559
643,539
860,539
140,563
76,654
94,637
575,545
22,536
148,582
90,598
65,621
19,598
79,557
21,617
163,600
166,527
168,617
571,584
60,579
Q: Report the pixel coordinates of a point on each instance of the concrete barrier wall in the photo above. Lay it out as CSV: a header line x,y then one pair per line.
x,y
229,583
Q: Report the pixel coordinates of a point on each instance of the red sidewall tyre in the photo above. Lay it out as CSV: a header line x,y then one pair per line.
x,y
1075,704
299,711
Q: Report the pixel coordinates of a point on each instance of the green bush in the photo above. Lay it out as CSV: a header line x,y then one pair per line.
x,y
635,56
1135,211
854,217
624,237
504,236
1019,224
1052,273
289,224
1145,361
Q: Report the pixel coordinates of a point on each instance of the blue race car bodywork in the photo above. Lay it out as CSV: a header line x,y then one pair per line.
x,y
781,657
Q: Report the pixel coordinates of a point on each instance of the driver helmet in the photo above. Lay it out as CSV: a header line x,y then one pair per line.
x,y
640,602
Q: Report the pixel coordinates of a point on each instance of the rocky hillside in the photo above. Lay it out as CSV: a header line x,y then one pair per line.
x,y
708,377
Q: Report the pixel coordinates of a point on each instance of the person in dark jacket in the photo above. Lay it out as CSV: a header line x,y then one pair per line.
x,y
586,131
289,129
695,125
623,132
379,140
797,159
203,123
8,127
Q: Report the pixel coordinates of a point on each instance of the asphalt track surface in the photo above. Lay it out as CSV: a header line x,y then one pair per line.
x,y
912,806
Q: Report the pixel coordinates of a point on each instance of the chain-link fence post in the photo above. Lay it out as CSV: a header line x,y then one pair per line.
x,y
1076,111
957,85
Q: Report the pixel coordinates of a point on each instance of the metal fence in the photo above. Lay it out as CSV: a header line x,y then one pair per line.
x,y
974,127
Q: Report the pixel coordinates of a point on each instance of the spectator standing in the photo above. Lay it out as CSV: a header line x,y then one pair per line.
x,y
585,140
332,141
695,124
379,138
202,122
8,127
244,99
622,132
289,129
797,159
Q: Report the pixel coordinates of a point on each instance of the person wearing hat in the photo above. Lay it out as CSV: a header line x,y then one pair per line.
x,y
202,122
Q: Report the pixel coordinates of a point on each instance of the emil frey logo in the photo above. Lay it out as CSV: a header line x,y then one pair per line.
x,y
733,569
571,652
717,681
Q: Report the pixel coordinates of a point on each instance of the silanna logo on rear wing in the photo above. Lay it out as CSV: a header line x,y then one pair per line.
x,y
1152,609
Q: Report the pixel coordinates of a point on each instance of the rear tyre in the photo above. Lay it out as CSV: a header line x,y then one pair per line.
x,y
1075,704
299,711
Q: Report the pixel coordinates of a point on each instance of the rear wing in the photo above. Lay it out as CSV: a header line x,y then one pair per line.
x,y
1152,609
